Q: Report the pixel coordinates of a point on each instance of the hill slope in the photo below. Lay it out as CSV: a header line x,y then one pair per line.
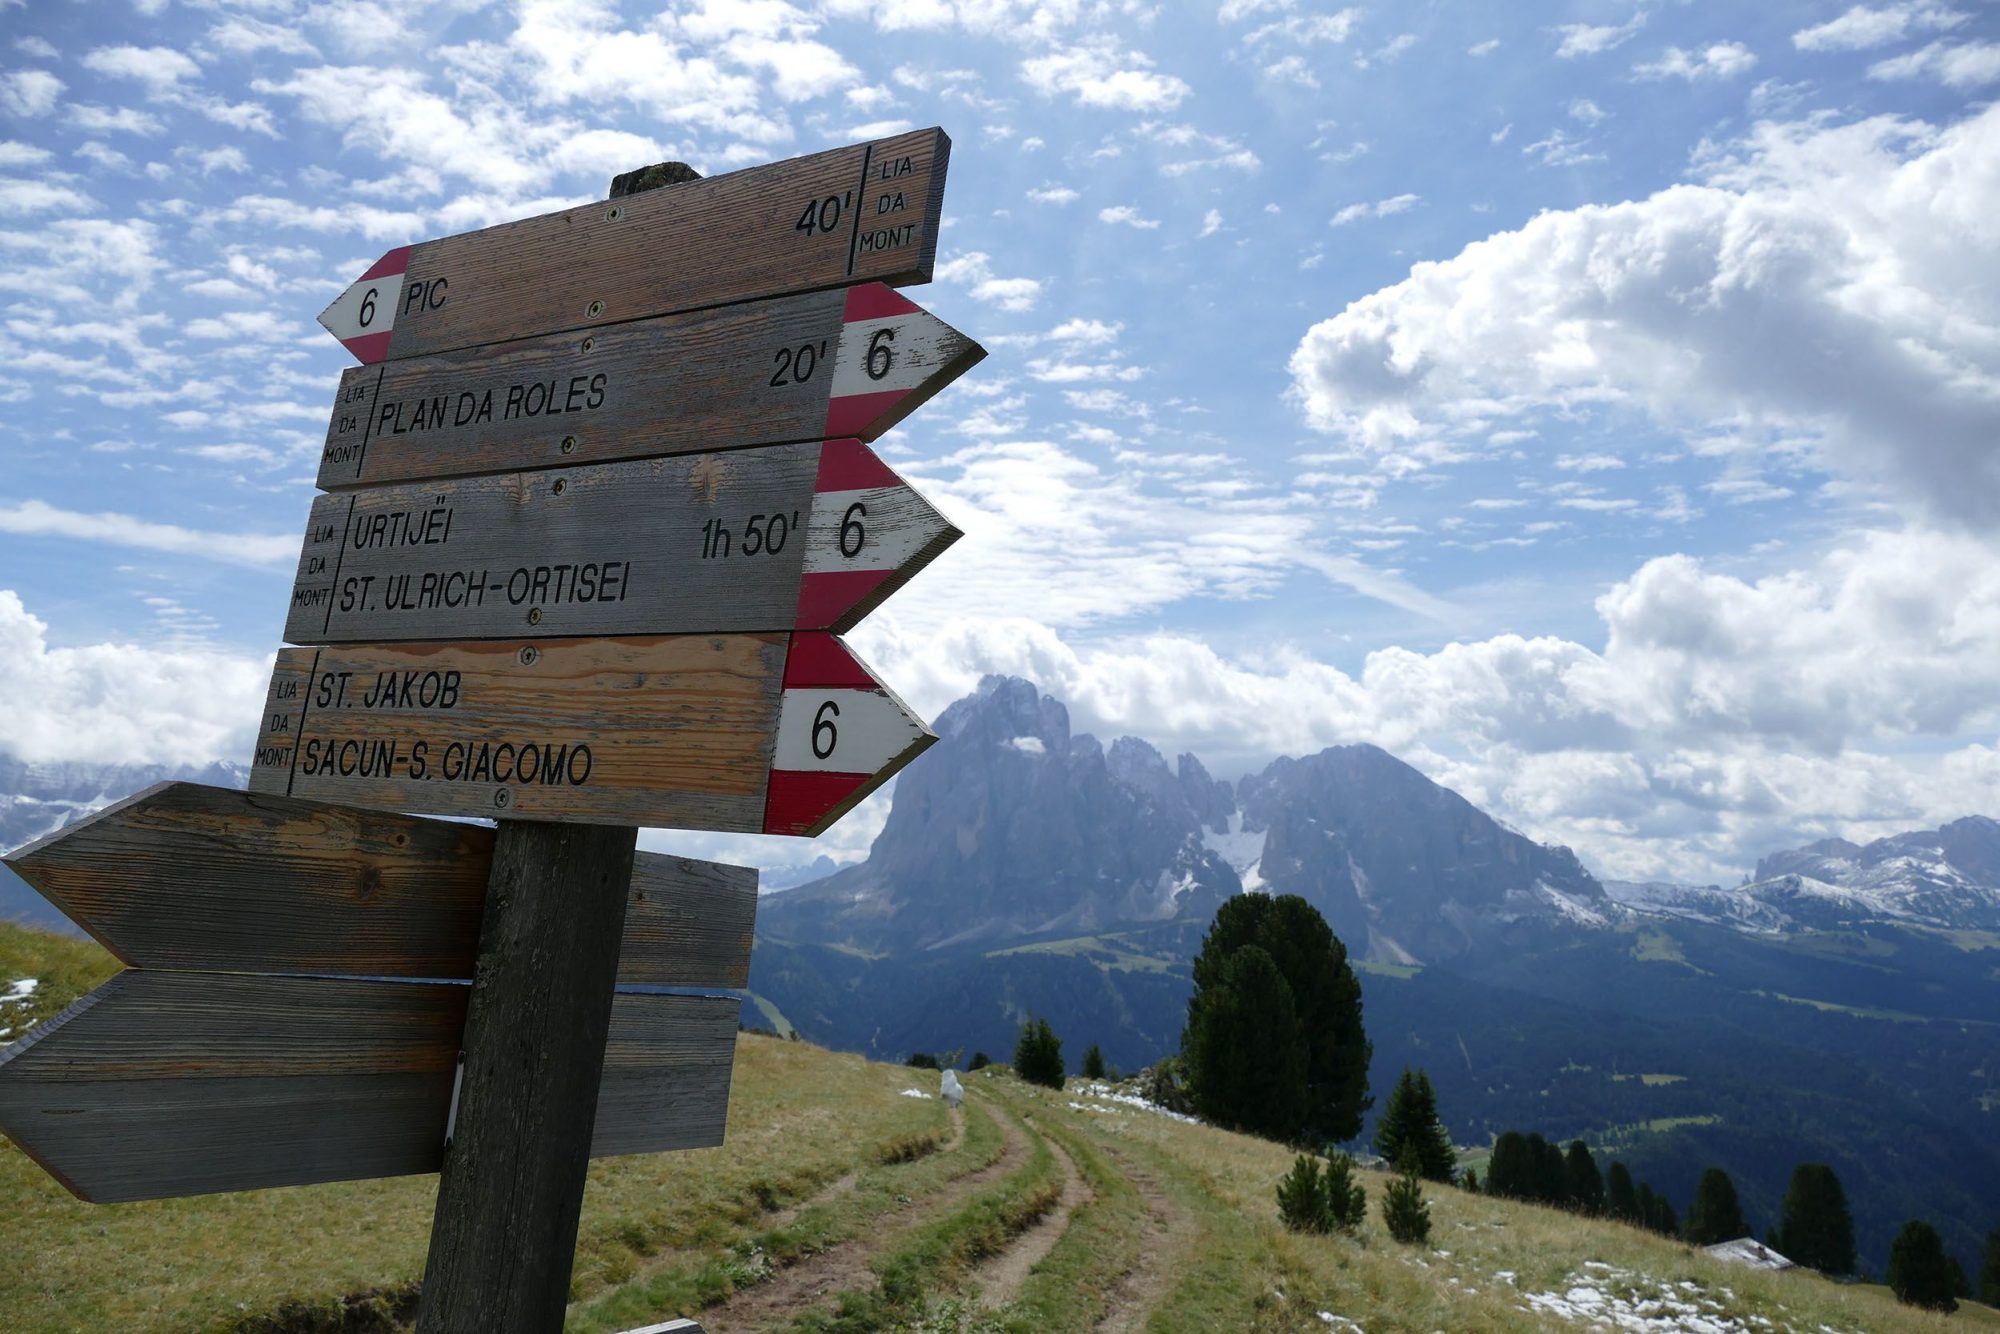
x,y
843,1203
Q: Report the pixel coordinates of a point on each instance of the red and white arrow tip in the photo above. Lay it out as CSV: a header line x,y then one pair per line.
x,y
870,532
841,735
364,316
894,355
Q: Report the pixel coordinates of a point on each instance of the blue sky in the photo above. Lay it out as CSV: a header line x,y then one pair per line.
x,y
1594,404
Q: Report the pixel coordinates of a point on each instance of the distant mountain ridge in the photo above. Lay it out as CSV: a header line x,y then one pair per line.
x,y
40,798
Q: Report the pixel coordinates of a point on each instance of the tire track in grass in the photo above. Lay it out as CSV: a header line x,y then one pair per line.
x,y
1000,1277
1169,1232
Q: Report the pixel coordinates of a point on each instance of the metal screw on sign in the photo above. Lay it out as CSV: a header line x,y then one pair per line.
x,y
589,344
534,616
595,309
528,655
501,798
569,444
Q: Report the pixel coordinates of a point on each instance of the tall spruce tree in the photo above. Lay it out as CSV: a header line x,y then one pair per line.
x,y
1246,1055
1989,1269
1647,1207
1038,1054
1815,1228
1410,1127
1586,1186
1551,1174
1620,1200
1093,1063
1661,1218
1323,1048
1510,1171
1715,1215
1919,1272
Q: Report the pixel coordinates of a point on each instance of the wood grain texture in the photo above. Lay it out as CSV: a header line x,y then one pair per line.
x,y
504,1233
161,1084
758,373
192,877
673,730
703,243
699,543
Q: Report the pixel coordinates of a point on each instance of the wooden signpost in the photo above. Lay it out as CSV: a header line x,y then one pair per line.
x,y
771,733
795,536
819,366
599,502
258,1040
851,215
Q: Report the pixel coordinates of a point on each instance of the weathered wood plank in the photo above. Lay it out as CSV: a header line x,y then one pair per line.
x,y
194,877
868,212
807,536
504,1232
180,1083
850,362
744,733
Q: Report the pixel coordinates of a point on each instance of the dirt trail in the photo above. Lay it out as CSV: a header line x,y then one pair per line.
x,y
818,1277
833,1190
1169,1231
1000,1277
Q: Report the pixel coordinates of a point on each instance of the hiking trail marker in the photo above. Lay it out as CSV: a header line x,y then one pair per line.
x,y
600,499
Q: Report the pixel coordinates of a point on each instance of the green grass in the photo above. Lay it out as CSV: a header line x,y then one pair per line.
x,y
1859,1011
1106,952
1651,1081
64,968
772,1015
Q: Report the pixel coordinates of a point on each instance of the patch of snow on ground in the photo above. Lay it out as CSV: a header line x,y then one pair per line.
x,y
1339,1322
1244,852
20,991
1107,1093
915,1093
1638,1304
1570,908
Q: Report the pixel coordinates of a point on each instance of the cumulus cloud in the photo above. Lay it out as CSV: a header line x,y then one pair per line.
x,y
39,519
1583,39
1864,26
1720,60
1971,65
975,269
1101,74
1128,216
1810,286
1381,208
29,92
81,703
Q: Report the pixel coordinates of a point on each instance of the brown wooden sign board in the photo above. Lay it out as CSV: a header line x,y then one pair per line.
x,y
866,212
164,1083
771,733
811,536
191,877
823,365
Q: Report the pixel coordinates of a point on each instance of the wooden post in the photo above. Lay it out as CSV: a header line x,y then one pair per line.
x,y
503,1239
504,1235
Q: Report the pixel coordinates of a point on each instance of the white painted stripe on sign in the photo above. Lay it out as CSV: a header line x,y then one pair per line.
x,y
915,345
368,307
842,731
891,526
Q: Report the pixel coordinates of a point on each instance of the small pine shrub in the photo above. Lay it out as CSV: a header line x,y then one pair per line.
x,y
980,1060
1164,1086
1038,1055
1093,1063
1470,1180
1302,1200
1346,1197
922,1060
1405,1211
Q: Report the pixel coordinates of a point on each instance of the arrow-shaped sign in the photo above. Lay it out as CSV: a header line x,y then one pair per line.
x,y
227,1077
808,536
770,733
821,365
854,214
209,878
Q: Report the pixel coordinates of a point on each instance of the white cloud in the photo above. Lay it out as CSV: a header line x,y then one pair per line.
x,y
1054,194
1588,462
83,704
1211,222
38,47
1587,111
1863,26
1582,39
22,197
159,68
113,120
1557,149
1811,287
14,153
974,269
1126,215
1485,48
245,36
1971,65
29,92
1720,60
1100,74
378,224
39,519
1381,208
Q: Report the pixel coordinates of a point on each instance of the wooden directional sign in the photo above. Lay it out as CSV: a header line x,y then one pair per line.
x,y
172,1082
770,733
167,1083
855,214
208,878
807,536
818,366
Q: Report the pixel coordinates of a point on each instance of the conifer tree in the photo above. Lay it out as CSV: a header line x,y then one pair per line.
x,y
1510,1171
1246,1054
1410,1125
1093,1063
1648,1208
1586,1187
1815,1228
1346,1197
1404,1210
1302,1202
1323,1042
1551,1174
1989,1269
1620,1200
1715,1215
1038,1054
1661,1217
1469,1179
1919,1273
